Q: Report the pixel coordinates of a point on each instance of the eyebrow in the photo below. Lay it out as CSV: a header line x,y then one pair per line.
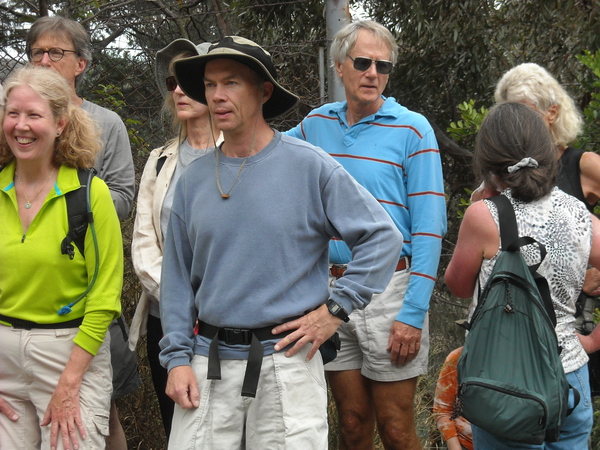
x,y
228,77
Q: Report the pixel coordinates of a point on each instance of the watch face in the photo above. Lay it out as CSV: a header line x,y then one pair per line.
x,y
335,308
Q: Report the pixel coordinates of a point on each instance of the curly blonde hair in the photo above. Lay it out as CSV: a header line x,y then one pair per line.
x,y
531,83
79,142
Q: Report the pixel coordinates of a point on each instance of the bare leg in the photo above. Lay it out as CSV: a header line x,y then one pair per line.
x,y
356,418
116,440
394,406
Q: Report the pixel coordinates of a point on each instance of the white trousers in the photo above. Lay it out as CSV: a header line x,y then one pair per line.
x,y
289,411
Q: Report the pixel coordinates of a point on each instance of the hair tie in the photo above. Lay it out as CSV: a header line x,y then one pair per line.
x,y
525,162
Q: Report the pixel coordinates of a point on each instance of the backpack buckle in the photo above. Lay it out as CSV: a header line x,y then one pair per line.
x,y
235,336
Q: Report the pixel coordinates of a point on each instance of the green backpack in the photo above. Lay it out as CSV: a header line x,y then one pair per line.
x,y
512,382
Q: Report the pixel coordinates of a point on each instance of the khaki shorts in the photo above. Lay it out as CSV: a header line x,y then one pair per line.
x,y
289,411
31,362
364,338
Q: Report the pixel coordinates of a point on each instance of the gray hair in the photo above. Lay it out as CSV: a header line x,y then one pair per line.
x,y
531,83
65,28
345,40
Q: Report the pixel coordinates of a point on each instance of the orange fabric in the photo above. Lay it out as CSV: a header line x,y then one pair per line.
x,y
443,405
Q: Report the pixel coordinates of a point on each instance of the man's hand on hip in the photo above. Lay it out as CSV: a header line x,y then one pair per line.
x,y
317,326
182,387
404,343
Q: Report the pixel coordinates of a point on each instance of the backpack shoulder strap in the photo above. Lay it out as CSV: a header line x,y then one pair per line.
x,y
160,162
510,241
509,232
77,212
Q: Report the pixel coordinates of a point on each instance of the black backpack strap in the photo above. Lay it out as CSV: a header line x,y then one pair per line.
x,y
160,162
78,215
510,241
509,232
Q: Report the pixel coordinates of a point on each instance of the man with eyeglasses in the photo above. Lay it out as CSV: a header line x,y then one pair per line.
x,y
63,45
393,153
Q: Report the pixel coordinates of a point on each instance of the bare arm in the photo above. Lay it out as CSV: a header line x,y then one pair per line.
x,y
591,342
478,238
589,168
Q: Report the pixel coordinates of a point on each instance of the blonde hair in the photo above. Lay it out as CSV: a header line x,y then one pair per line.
x,y
531,83
79,142
179,126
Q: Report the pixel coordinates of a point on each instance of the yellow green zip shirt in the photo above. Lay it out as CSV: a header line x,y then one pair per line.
x,y
36,279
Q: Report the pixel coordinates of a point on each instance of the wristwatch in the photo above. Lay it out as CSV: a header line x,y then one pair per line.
x,y
337,310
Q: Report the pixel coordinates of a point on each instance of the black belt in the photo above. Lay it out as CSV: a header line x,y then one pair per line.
x,y
29,325
239,336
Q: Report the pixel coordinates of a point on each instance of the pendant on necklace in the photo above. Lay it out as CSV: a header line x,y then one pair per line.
x,y
224,195
27,205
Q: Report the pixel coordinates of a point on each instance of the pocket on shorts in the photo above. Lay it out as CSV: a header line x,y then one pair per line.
x,y
314,367
100,420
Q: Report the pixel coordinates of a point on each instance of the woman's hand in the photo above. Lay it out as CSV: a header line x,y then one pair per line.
x,y
63,412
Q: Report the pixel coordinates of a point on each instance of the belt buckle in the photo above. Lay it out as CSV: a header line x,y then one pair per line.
x,y
337,270
237,336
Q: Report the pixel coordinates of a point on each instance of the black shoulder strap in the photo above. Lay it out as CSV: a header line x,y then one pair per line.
x,y
160,162
511,242
78,215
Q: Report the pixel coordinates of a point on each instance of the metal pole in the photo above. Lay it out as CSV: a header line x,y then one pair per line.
x,y
337,15
321,75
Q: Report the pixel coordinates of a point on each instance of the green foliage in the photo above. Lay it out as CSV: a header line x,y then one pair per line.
x,y
591,113
111,97
469,123
464,203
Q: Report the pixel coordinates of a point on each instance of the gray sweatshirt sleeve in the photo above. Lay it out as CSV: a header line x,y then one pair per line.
x,y
115,162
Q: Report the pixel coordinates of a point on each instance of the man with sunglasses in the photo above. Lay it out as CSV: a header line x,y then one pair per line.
x,y
393,153
63,45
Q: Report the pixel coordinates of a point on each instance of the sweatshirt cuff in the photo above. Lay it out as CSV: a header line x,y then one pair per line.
x,y
411,315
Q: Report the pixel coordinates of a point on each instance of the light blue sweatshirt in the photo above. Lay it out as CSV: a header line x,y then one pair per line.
x,y
394,155
261,256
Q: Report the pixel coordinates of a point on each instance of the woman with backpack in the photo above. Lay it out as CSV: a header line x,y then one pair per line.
x,y
55,304
514,154
195,137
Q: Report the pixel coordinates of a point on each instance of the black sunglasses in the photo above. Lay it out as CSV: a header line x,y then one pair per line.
x,y
171,83
361,64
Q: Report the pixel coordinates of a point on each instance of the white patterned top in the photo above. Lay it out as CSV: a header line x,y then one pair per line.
x,y
563,224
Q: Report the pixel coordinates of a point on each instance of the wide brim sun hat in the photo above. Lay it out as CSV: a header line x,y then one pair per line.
x,y
164,57
189,72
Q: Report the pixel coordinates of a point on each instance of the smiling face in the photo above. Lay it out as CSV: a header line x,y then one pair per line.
x,y
29,126
69,66
234,95
364,89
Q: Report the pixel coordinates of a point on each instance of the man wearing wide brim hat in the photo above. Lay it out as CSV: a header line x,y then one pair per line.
x,y
246,256
245,52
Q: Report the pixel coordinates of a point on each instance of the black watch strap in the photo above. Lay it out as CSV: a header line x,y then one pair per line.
x,y
337,310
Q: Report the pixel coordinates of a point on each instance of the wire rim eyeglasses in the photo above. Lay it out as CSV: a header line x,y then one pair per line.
x,y
55,54
363,64
171,83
